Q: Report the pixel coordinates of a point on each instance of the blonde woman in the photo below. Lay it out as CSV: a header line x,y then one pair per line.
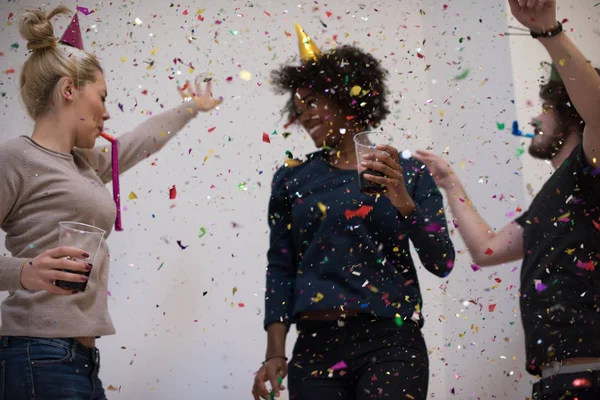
x,y
48,334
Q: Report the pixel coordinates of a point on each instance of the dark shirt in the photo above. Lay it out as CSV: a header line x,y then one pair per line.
x,y
560,275
333,247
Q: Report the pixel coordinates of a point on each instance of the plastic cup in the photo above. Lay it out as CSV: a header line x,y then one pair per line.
x,y
82,236
365,143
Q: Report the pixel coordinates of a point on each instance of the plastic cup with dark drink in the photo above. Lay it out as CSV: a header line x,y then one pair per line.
x,y
81,236
366,144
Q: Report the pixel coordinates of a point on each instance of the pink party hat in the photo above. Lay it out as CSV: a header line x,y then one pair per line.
x,y
72,35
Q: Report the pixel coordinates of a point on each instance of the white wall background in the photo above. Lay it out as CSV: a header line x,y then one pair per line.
x,y
193,329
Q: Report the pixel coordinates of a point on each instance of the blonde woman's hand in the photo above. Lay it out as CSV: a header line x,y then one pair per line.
x,y
42,272
202,98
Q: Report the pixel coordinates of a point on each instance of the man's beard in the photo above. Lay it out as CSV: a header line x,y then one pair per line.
x,y
546,148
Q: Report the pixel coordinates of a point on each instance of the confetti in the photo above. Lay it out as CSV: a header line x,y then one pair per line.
x,y
475,267
491,307
202,232
500,125
488,252
338,366
588,266
173,192
539,286
211,130
14,46
181,245
112,388
398,320
161,265
463,75
245,75
355,91
84,10
362,212
319,296
132,196
265,138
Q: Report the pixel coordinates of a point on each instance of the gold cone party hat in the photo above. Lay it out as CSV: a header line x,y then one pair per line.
x,y
308,50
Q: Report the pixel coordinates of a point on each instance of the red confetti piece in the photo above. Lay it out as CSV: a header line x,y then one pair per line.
x,y
145,91
491,307
9,71
288,34
267,13
10,16
210,130
187,84
420,55
498,280
588,266
519,209
229,78
596,224
185,12
328,13
266,138
200,18
241,305
362,212
488,252
172,192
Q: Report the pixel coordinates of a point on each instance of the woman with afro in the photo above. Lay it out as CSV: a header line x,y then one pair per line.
x,y
339,264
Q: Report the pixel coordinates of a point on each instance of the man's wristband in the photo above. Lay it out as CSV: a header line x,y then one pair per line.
x,y
274,357
557,30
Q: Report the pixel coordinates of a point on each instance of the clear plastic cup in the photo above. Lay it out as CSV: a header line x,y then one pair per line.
x,y
82,236
365,143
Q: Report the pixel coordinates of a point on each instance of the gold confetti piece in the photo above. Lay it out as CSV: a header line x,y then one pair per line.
x,y
132,196
318,297
112,388
234,290
323,208
355,91
396,249
561,62
245,75
154,50
292,163
123,59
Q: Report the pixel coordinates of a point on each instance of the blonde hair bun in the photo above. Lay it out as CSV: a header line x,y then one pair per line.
x,y
36,28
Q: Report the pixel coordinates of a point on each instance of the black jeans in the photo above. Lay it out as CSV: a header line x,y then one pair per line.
x,y
364,359
578,385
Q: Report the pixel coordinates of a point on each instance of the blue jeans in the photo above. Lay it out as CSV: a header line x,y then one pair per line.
x,y
48,369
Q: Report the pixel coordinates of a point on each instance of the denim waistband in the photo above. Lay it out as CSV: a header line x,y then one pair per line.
x,y
75,348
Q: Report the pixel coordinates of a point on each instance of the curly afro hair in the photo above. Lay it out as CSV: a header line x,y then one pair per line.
x,y
353,79
554,93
